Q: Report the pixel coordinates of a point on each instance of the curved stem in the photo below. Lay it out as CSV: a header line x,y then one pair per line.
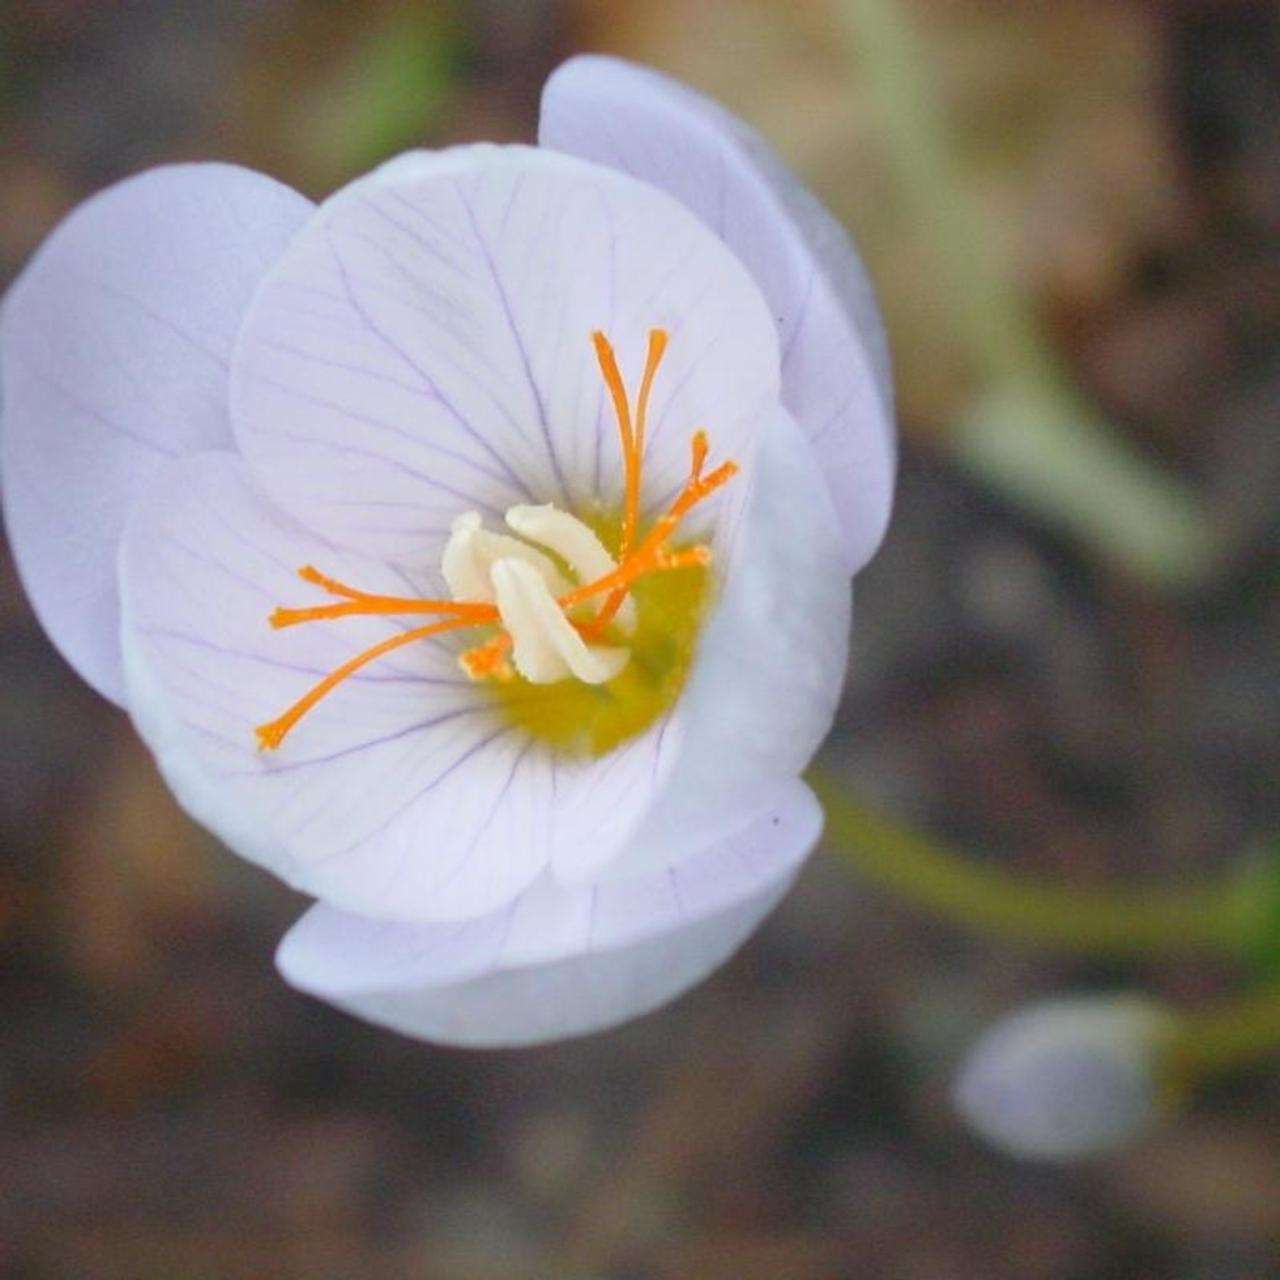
x,y
1029,434
1220,917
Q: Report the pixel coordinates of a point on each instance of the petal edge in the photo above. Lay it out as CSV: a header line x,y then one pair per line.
x,y
114,345
575,962
835,370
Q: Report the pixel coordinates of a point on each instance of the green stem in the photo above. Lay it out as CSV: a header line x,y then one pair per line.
x,y
1029,435
1235,1034
1223,917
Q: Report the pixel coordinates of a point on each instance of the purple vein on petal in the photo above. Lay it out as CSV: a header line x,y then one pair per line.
x,y
444,233
100,418
504,301
413,799
483,385
495,805
363,371
381,424
240,655
447,404
157,317
274,767
395,464
432,250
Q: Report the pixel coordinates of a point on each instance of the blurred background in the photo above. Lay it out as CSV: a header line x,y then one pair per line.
x,y
1069,669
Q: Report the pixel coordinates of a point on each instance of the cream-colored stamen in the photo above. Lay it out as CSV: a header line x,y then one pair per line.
x,y
545,646
472,551
576,544
526,585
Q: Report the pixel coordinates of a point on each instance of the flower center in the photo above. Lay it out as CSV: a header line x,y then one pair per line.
x,y
612,636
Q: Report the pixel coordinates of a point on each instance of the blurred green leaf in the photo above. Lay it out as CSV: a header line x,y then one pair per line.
x,y
1261,885
390,91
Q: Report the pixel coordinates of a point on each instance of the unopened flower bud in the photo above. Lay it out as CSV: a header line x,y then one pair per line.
x,y
1067,1079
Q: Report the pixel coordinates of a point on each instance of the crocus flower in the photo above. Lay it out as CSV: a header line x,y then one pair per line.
x,y
472,549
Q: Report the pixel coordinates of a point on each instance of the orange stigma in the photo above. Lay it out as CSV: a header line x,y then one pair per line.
x,y
637,557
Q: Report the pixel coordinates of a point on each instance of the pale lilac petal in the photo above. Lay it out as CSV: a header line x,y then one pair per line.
x,y
114,349
835,367
400,794
424,348
769,672
558,962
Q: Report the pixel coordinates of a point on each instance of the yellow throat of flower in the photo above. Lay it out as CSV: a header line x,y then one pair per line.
x,y
592,624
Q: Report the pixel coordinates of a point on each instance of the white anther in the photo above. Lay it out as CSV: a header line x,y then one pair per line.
x,y
545,646
576,544
471,552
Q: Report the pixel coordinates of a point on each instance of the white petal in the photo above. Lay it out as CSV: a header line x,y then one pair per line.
x,y
114,349
576,544
401,793
769,672
559,962
546,648
425,347
835,369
